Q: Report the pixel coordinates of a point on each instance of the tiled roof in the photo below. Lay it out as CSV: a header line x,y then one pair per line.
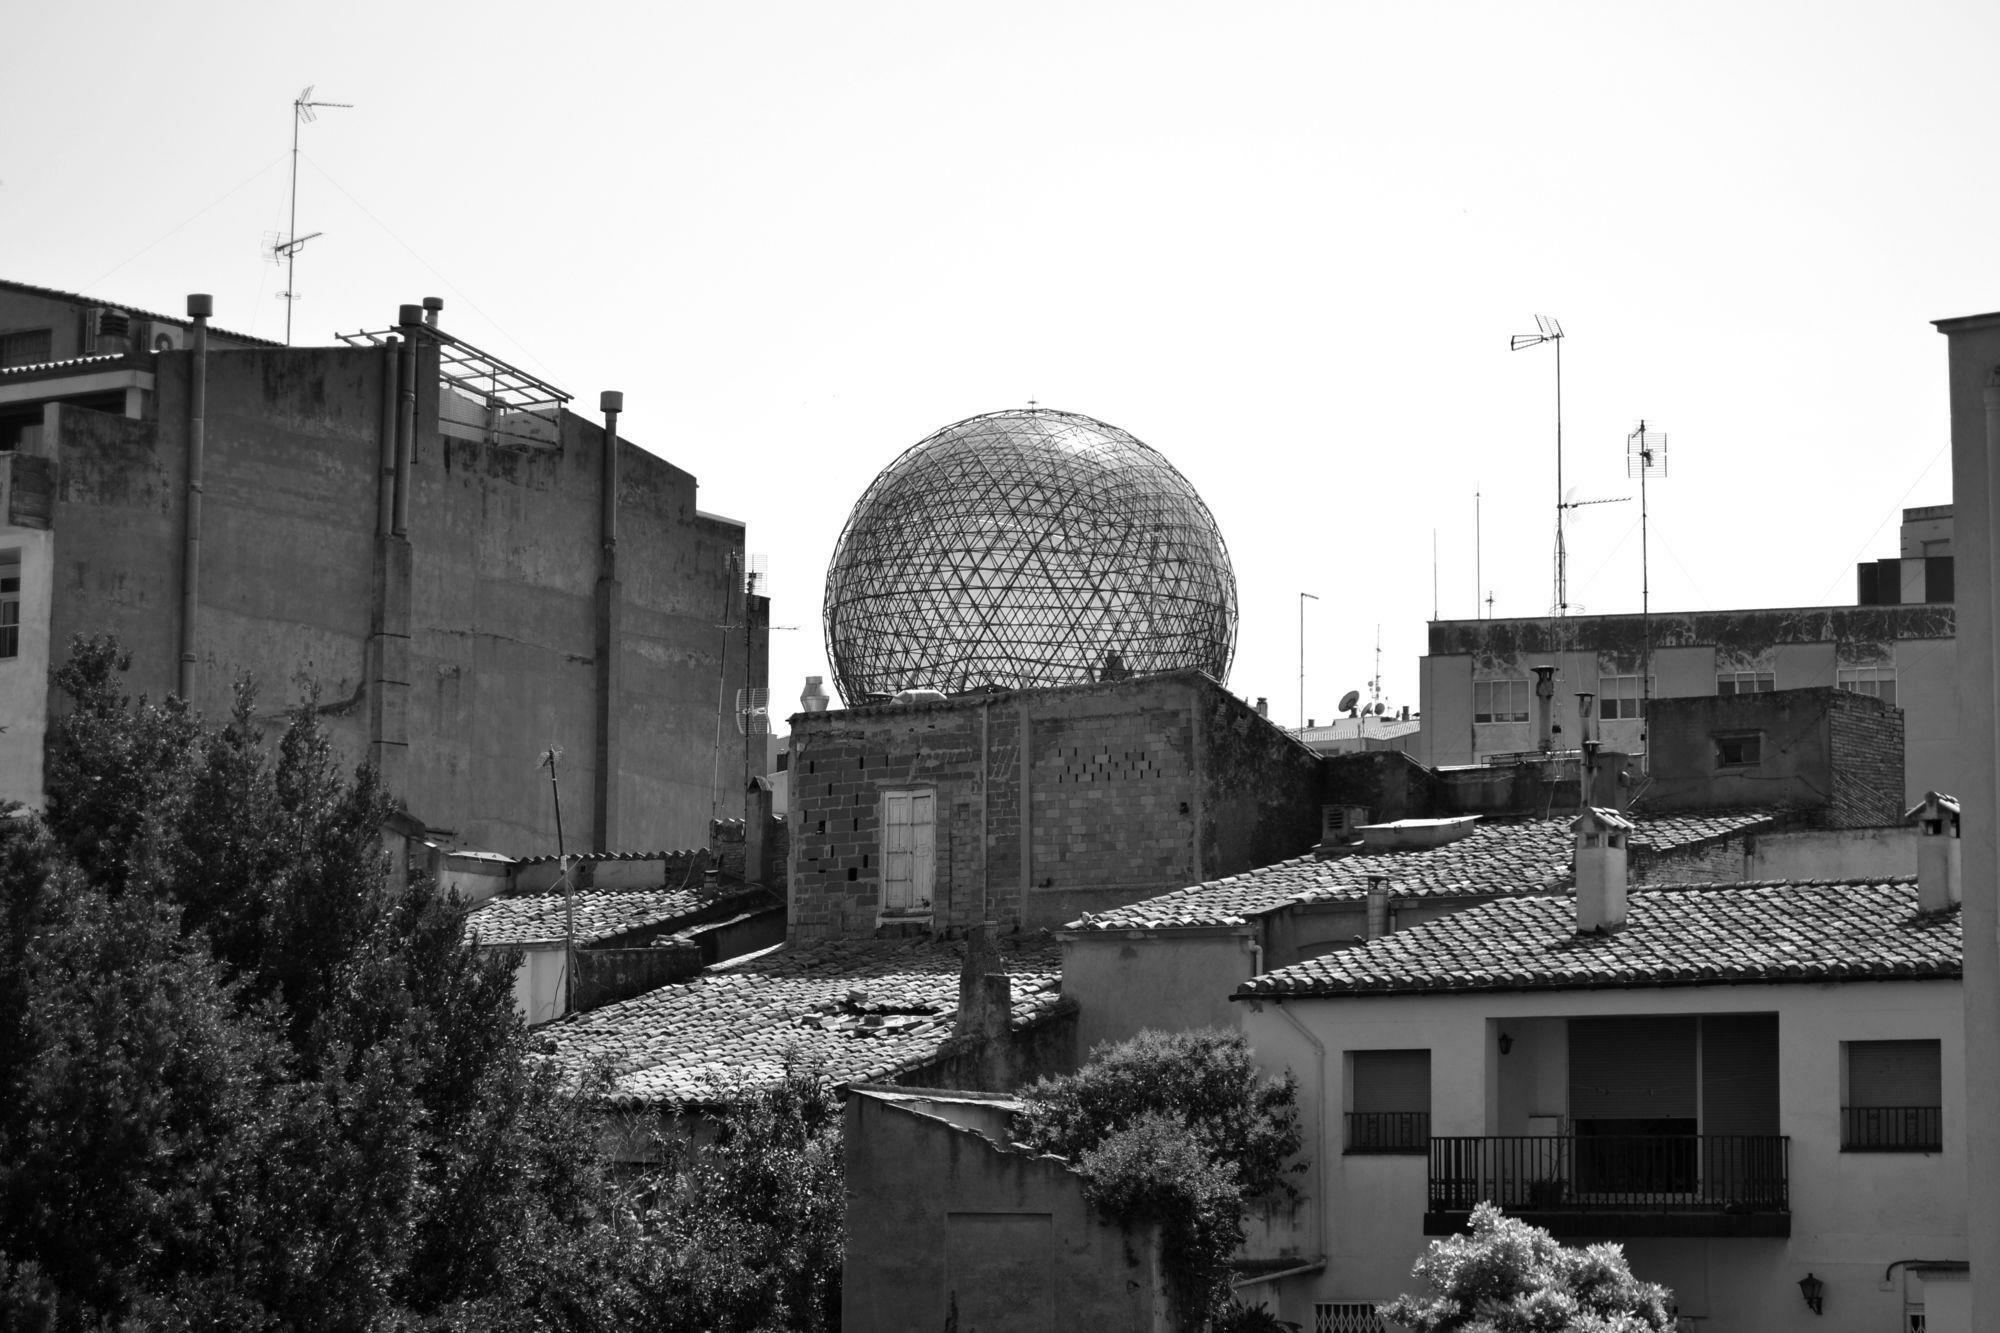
x,y
600,914
593,857
1523,856
862,1009
1705,935
107,359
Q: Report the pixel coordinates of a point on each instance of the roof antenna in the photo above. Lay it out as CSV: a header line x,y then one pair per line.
x,y
287,251
1645,456
1550,330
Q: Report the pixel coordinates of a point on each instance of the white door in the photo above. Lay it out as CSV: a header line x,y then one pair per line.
x,y
909,837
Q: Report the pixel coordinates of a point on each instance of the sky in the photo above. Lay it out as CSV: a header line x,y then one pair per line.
x,y
1284,244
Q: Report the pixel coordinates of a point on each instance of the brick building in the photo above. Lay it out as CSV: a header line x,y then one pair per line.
x,y
465,567
1030,807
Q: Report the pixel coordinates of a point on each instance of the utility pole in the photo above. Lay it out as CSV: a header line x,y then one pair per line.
x,y
549,758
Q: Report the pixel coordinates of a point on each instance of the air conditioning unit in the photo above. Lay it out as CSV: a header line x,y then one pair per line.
x,y
157,335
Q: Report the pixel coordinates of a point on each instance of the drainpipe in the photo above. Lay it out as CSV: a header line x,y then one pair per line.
x,y
1545,696
1320,1148
605,785
200,306
411,317
385,500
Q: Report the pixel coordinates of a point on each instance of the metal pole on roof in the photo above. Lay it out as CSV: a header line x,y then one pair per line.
x,y
1302,655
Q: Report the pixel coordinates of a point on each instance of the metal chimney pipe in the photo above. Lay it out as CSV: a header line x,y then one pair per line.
x,y
432,305
200,306
410,317
1545,694
611,402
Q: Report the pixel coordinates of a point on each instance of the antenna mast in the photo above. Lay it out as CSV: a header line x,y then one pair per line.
x,y
1645,456
1550,330
288,249
1302,653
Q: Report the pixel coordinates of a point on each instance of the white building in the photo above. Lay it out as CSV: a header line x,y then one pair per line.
x,y
1745,1084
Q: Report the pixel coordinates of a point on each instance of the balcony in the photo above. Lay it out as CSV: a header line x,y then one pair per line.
x,y
1616,1185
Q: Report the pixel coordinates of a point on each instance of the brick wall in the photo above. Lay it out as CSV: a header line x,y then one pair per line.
x,y
1867,745
1718,861
1131,789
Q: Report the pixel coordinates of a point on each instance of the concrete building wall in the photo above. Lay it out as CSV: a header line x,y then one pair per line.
x,y
497,584
1125,984
947,1228
1852,1213
1802,647
24,677
1855,853
1827,751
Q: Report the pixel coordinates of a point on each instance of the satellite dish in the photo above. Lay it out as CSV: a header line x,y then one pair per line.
x,y
1377,709
1348,700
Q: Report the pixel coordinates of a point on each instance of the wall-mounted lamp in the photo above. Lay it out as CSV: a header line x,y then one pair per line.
x,y
1506,1043
1813,1290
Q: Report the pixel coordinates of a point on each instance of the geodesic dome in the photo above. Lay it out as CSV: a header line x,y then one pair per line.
x,y
1026,548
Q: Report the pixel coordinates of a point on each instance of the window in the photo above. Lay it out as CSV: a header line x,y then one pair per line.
x,y
1392,1102
1620,697
10,603
1879,681
1745,682
908,851
1893,1102
1500,700
1741,751
28,347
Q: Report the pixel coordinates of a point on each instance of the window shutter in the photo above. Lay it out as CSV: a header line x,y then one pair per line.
x,y
1739,1074
1392,1081
1631,1069
1893,1073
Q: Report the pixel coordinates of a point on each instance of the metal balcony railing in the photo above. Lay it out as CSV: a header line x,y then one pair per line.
x,y
1892,1128
1612,1173
1388,1131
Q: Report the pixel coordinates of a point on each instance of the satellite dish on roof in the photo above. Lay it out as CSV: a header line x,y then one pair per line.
x,y
1348,700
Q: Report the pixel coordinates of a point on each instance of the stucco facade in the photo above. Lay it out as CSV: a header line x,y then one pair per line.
x,y
1851,1213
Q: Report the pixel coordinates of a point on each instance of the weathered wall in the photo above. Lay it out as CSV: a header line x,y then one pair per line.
x,y
1795,770
1048,1049
1851,853
1127,790
1803,647
1125,983
947,1229
503,561
1867,777
24,677
606,976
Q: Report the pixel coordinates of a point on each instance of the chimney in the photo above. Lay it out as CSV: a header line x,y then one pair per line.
x,y
1600,869
1378,906
1263,706
814,699
1937,852
1545,694
432,304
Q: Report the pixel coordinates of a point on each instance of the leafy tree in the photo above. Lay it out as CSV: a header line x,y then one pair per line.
x,y
749,1229
1509,1277
1179,1130
248,1081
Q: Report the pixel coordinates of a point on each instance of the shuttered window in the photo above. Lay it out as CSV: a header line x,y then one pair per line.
x,y
1739,1074
1391,1103
1631,1068
1894,1097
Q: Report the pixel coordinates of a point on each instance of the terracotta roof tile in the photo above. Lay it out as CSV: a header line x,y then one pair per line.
x,y
1503,857
863,1009
539,918
1680,935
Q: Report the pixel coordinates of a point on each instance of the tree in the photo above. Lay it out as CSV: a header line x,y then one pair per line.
x,y
1509,1277
246,1079
749,1231
1178,1130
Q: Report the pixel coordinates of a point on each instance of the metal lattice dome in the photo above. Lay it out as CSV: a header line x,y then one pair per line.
x,y
1026,548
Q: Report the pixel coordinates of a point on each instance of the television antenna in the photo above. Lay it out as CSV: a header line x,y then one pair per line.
x,y
286,251
1645,456
1550,330
1303,597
